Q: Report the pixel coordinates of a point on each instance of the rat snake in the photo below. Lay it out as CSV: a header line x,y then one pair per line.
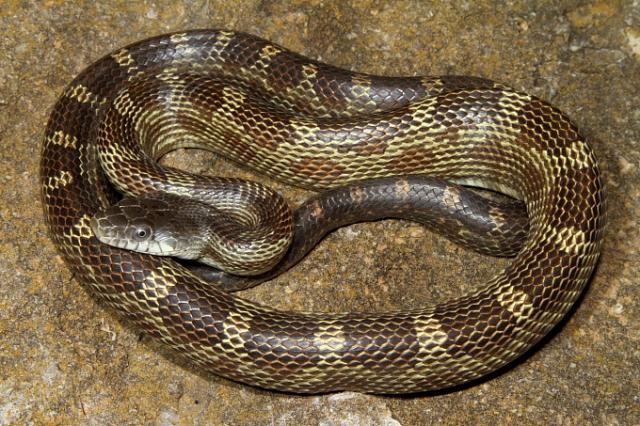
x,y
317,126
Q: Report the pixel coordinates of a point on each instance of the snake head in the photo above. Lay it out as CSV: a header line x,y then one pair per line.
x,y
164,224
155,223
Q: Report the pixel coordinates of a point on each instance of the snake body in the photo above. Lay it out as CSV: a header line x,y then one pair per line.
x,y
314,125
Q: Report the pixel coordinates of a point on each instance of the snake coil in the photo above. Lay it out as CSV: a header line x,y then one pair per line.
x,y
314,125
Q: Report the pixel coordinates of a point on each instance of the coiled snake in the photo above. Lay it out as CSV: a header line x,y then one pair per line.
x,y
317,126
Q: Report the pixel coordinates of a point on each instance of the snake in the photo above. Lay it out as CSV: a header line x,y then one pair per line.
x,y
317,126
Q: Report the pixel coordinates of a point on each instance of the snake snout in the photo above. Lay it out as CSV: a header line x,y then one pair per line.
x,y
108,227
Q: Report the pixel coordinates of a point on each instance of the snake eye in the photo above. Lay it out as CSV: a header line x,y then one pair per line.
x,y
141,233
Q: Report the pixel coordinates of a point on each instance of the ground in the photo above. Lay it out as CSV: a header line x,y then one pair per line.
x,y
66,360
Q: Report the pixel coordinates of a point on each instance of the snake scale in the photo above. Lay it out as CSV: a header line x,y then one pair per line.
x,y
314,125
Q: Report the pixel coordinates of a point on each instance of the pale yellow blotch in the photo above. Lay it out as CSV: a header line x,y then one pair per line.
x,y
432,84
511,103
159,281
79,92
309,71
451,196
62,139
510,107
268,52
426,108
547,162
181,43
121,153
568,238
123,103
83,95
124,59
357,194
330,338
506,135
222,41
63,179
556,162
81,228
402,187
82,156
179,38
234,325
429,333
578,155
74,234
431,336
170,74
515,301
497,216
316,210
155,286
361,84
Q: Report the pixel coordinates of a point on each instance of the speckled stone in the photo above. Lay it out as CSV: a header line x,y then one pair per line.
x,y
66,360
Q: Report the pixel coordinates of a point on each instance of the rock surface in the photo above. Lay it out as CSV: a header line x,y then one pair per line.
x,y
66,360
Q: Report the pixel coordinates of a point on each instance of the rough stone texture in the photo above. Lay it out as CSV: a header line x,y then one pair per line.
x,y
66,360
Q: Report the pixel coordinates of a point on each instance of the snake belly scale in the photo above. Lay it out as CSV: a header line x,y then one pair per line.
x,y
340,127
